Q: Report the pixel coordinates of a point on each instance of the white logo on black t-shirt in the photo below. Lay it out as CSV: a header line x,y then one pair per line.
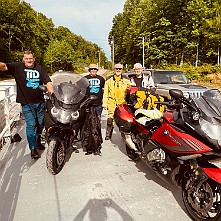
x,y
33,78
94,85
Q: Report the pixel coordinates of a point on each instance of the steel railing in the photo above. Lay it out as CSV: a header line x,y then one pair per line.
x,y
10,111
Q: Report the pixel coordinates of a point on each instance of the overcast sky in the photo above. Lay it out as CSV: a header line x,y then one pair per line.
x,y
92,19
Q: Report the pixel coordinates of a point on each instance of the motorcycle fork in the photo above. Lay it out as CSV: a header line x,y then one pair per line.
x,y
67,139
62,135
197,175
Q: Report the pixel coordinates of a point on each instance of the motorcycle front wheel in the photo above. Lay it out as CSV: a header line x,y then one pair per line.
x,y
203,203
55,157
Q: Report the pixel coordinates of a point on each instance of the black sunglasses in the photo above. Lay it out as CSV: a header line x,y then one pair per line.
x,y
118,68
93,69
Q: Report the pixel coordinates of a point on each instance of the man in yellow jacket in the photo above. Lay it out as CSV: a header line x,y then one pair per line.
x,y
114,93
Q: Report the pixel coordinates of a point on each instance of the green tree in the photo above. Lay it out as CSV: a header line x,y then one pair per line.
x,y
59,55
212,30
175,31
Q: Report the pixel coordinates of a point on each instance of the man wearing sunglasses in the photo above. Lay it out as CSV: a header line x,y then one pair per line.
x,y
114,93
91,131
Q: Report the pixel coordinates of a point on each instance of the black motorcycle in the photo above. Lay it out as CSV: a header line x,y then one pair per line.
x,y
65,115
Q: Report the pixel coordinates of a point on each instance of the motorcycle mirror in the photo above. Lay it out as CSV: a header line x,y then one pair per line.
x,y
90,98
175,93
42,87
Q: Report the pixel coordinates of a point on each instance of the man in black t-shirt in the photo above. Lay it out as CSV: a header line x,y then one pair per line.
x,y
28,77
96,87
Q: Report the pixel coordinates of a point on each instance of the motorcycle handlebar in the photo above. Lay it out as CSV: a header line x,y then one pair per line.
x,y
167,104
43,88
178,105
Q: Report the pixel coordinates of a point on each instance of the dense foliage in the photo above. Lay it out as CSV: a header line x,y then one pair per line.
x,y
175,32
22,28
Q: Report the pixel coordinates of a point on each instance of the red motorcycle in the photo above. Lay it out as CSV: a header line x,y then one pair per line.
x,y
174,146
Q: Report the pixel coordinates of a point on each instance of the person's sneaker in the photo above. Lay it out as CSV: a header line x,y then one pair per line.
x,y
107,138
41,147
34,154
88,153
97,152
75,149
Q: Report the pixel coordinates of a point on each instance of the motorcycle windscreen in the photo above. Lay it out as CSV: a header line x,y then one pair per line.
x,y
61,77
213,99
69,93
210,120
69,88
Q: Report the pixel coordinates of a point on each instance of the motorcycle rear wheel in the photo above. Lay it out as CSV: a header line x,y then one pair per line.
x,y
131,153
55,157
205,203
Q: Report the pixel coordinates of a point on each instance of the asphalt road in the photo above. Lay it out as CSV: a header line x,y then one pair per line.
x,y
89,188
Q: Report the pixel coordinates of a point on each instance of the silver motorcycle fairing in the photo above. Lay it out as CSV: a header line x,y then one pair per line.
x,y
210,116
70,91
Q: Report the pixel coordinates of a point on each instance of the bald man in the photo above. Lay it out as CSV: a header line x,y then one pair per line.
x,y
114,93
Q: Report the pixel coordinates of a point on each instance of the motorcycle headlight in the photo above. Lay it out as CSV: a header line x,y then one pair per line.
x,y
75,115
54,111
61,115
213,131
64,117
